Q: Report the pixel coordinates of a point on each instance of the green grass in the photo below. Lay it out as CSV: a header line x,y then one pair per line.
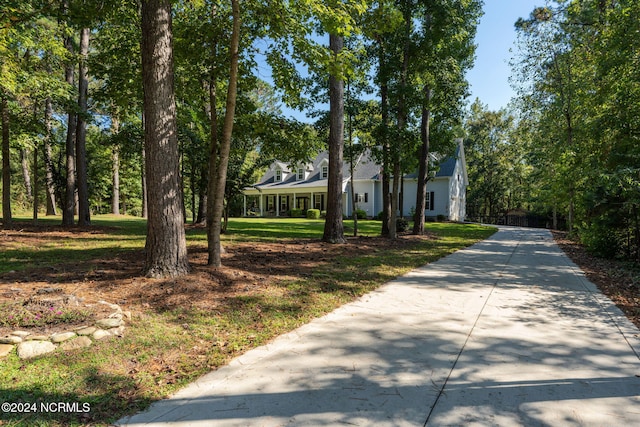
x,y
123,234
163,350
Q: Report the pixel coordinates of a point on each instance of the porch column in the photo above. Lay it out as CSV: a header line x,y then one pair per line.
x,y
313,201
260,196
294,201
277,204
244,204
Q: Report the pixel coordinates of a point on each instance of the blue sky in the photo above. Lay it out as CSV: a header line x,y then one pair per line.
x,y
489,78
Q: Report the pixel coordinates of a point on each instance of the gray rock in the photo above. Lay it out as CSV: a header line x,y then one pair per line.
x,y
29,349
111,306
119,331
5,349
100,334
87,330
37,338
78,342
21,334
62,336
10,339
109,323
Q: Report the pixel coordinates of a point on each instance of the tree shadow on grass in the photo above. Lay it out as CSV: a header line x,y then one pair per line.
x,y
107,395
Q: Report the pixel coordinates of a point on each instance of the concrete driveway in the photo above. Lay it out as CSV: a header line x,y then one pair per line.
x,y
507,332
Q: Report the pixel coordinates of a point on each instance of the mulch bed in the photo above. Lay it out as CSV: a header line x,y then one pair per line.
x,y
618,280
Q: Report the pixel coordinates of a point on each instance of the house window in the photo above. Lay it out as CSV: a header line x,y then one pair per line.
x,y
366,197
317,201
278,175
359,198
430,201
300,174
271,203
324,172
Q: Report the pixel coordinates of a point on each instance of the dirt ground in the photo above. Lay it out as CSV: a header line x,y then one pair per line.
x,y
248,269
615,279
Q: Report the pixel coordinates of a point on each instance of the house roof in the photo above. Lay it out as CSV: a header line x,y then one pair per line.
x,y
366,169
447,167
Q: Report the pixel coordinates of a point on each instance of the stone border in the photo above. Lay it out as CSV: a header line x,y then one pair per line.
x,y
31,345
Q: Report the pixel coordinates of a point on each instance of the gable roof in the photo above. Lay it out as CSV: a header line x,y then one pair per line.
x,y
448,167
366,168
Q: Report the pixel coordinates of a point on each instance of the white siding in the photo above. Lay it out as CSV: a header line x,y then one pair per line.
x,y
457,191
368,188
439,186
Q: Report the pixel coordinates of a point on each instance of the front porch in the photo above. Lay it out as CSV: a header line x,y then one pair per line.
x,y
276,204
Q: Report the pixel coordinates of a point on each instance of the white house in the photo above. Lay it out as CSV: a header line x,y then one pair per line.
x,y
304,186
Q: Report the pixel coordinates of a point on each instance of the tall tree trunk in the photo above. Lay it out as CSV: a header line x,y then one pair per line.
x,y
401,195
354,199
48,163
386,164
423,168
401,122
143,175
393,219
84,215
35,184
218,170
202,197
166,247
115,168
212,175
333,226
7,221
24,161
208,104
69,203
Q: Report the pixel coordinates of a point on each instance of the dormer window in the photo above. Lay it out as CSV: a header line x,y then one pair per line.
x,y
324,172
278,175
300,174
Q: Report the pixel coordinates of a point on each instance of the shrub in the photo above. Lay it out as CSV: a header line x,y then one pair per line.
x,y
361,214
441,218
402,225
296,213
313,214
601,240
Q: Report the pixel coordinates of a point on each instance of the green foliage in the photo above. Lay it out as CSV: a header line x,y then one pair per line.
x,y
361,214
578,82
297,213
313,213
402,225
601,240
494,153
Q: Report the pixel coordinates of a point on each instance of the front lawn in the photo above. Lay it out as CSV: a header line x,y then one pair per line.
x,y
277,275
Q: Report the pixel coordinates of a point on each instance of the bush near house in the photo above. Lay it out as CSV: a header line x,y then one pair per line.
x,y
297,213
402,225
361,214
313,214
